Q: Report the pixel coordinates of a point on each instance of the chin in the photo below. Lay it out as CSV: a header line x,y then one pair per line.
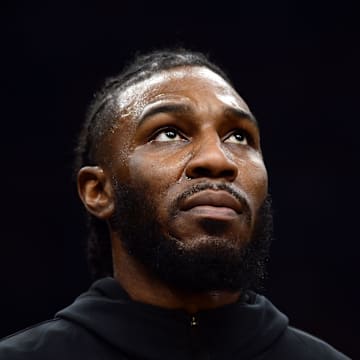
x,y
207,233
206,241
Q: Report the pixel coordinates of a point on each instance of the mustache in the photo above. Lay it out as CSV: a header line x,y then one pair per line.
x,y
196,188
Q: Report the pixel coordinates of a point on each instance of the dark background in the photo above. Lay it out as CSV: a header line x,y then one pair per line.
x,y
296,64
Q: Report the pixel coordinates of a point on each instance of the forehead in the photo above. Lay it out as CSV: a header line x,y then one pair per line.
x,y
182,82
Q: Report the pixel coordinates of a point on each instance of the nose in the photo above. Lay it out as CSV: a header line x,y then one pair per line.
x,y
209,160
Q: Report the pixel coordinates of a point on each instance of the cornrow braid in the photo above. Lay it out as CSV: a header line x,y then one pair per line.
x,y
100,117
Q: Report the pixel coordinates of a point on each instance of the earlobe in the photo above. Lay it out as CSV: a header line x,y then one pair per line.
x,y
95,191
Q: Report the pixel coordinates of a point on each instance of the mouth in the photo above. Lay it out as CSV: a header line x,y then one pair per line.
x,y
213,204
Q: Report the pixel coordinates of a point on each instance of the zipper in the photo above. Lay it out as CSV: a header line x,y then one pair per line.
x,y
194,321
194,338
199,348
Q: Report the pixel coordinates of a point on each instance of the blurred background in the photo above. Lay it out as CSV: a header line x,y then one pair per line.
x,y
297,66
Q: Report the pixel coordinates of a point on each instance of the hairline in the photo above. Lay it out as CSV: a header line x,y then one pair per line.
x,y
110,103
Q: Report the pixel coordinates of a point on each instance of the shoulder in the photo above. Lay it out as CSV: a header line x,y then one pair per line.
x,y
52,339
41,340
303,345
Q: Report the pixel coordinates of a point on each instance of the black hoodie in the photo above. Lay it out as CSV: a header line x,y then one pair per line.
x,y
104,323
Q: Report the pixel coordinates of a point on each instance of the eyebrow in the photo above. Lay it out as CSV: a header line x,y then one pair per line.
x,y
240,114
164,108
187,109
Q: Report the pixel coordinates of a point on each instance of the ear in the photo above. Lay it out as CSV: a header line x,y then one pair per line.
x,y
95,191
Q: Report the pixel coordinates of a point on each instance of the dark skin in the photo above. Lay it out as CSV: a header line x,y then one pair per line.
x,y
181,127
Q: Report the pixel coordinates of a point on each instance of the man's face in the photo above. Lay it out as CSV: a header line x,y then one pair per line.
x,y
185,154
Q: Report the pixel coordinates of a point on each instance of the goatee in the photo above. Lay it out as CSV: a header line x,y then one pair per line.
x,y
208,267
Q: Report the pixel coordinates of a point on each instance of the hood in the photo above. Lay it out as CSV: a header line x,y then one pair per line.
x,y
145,331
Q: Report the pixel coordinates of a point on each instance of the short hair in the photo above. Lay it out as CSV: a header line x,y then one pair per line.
x,y
98,121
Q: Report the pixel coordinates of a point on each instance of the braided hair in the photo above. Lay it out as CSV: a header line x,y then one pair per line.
x,y
100,117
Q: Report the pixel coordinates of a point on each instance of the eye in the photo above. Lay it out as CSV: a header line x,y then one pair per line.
x,y
237,137
168,134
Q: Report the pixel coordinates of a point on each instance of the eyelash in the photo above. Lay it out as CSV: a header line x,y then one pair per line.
x,y
164,130
244,133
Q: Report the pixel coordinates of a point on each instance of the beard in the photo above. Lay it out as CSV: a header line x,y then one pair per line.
x,y
210,266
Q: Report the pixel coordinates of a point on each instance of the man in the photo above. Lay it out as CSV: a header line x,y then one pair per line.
x,y
170,170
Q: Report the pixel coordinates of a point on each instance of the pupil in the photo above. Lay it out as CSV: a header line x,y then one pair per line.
x,y
239,137
171,134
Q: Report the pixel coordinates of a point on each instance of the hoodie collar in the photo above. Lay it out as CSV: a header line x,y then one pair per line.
x,y
142,330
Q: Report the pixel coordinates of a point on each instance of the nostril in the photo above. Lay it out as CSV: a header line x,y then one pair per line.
x,y
201,172
208,172
227,174
211,162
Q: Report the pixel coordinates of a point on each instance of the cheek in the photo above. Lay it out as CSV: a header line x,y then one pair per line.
x,y
157,170
159,175
254,180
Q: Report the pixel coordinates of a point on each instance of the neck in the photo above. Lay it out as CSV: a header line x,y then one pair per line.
x,y
143,287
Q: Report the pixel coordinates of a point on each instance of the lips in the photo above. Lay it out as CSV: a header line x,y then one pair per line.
x,y
214,198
